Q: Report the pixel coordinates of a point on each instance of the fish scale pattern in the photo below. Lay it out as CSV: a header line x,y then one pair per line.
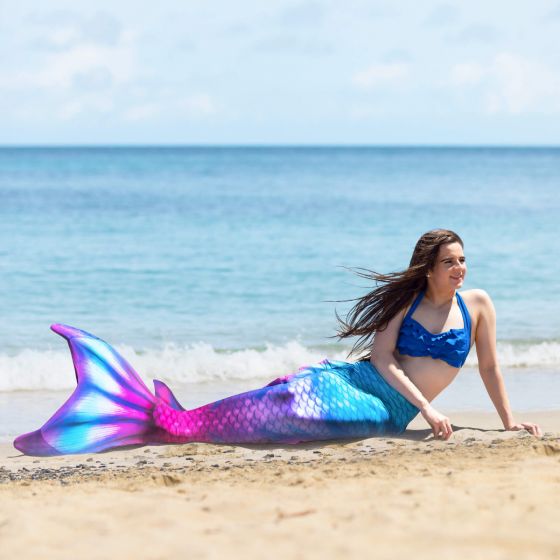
x,y
329,400
112,407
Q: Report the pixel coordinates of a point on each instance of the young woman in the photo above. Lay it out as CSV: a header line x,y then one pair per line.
x,y
421,330
416,331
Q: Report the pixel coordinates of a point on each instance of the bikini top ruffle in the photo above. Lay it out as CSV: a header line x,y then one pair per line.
x,y
451,346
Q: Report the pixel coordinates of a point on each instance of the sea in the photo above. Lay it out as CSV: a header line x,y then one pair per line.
x,y
217,269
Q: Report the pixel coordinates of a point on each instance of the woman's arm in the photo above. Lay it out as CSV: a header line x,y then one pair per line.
x,y
383,359
485,339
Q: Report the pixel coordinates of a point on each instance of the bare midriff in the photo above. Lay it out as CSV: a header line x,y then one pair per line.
x,y
429,375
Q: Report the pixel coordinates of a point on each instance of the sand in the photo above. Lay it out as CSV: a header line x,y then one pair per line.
x,y
485,494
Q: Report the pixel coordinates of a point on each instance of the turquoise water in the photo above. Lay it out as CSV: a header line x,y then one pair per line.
x,y
221,262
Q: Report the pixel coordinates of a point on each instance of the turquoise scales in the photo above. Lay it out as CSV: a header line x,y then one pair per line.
x,y
111,407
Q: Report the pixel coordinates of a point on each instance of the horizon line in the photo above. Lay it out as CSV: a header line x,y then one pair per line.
x,y
272,145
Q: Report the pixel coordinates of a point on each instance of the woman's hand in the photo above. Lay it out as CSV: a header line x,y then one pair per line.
x,y
439,423
533,429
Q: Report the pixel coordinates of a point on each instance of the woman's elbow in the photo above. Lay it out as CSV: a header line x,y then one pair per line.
x,y
488,371
379,357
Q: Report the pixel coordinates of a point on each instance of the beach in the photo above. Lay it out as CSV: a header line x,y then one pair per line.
x,y
485,493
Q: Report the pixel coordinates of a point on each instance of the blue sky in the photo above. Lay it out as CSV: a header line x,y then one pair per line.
x,y
280,72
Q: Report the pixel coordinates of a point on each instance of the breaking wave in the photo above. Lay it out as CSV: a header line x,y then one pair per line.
x,y
202,363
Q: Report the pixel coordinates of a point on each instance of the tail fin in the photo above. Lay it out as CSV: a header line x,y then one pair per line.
x,y
110,407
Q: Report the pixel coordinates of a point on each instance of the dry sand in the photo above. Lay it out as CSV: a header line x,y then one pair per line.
x,y
485,494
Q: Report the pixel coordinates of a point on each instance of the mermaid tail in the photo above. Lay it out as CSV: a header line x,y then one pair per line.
x,y
330,400
112,407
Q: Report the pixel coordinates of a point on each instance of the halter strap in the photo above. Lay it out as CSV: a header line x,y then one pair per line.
x,y
415,304
466,315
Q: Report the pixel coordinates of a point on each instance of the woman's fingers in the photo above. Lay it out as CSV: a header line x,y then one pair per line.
x,y
533,429
442,427
530,428
440,424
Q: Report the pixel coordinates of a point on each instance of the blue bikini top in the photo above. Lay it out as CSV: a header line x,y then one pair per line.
x,y
451,346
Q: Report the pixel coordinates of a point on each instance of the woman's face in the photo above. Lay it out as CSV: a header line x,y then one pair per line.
x,y
450,267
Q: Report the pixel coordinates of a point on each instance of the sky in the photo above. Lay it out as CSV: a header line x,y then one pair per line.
x,y
280,72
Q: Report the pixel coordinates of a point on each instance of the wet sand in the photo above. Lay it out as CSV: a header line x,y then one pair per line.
x,y
485,494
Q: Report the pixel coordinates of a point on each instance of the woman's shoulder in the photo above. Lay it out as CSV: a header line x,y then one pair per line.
x,y
476,298
404,310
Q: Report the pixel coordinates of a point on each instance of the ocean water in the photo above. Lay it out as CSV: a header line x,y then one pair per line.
x,y
222,264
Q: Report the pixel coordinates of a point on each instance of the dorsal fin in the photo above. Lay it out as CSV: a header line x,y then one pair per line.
x,y
164,393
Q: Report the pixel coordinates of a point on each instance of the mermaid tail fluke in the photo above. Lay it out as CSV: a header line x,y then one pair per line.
x,y
110,407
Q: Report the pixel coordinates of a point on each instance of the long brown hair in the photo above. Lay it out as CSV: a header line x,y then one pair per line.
x,y
373,311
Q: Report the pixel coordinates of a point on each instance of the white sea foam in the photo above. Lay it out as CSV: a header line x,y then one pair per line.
x,y
544,354
199,363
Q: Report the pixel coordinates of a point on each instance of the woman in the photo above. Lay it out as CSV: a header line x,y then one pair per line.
x,y
401,317
396,322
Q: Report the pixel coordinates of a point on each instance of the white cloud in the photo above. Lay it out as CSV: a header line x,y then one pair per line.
x,y
70,110
306,12
60,31
510,83
442,15
195,106
75,54
87,104
289,43
553,14
396,56
92,79
364,111
81,78
380,74
523,85
62,68
89,66
467,74
83,65
475,33
141,112
102,28
61,38
198,105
